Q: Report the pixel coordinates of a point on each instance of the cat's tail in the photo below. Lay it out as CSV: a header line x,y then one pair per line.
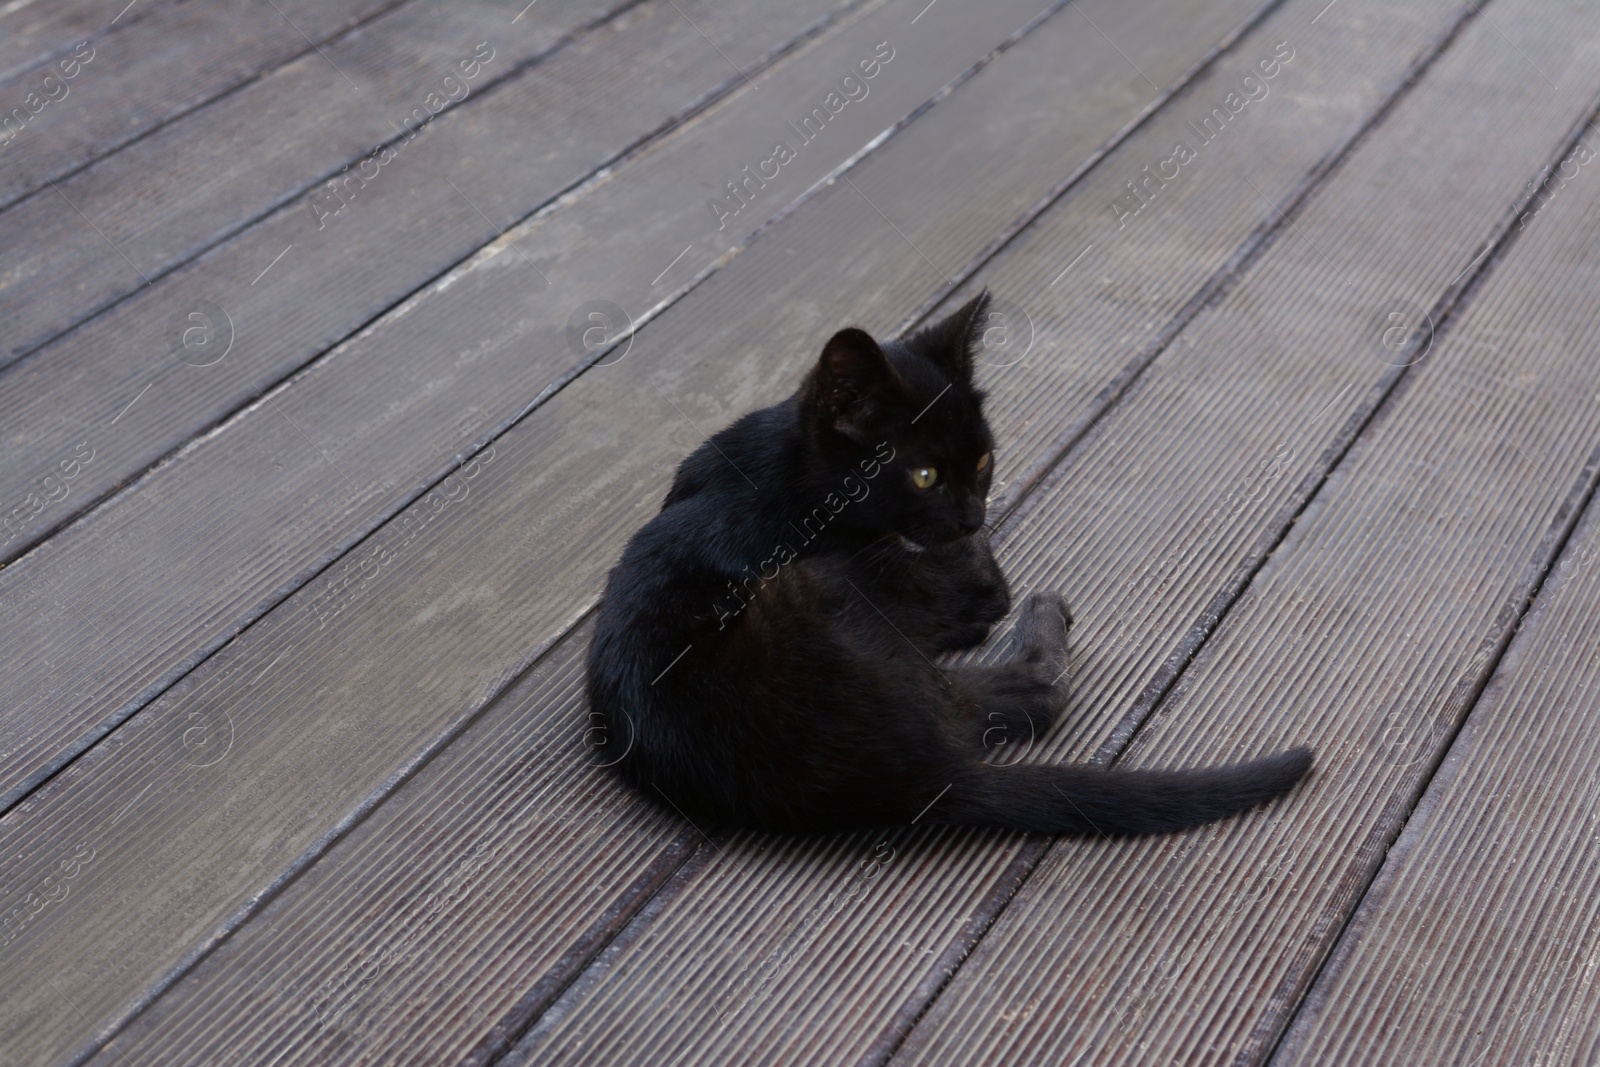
x,y
1055,799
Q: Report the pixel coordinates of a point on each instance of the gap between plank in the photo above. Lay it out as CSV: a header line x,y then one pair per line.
x,y
1034,852
1569,516
72,172
288,198
556,200
375,523
426,754
670,889
27,68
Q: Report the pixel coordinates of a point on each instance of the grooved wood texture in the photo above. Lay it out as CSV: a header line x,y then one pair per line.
x,y
211,991
319,736
262,521
214,47
701,957
76,248
1366,634
37,32
389,967
1478,939
249,511
301,654
440,199
305,278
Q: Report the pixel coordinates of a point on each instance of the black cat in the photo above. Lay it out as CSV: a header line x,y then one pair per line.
x,y
764,656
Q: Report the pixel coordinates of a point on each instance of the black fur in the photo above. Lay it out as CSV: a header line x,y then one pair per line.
x,y
764,656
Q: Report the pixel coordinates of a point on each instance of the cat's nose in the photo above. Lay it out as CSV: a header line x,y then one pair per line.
x,y
971,517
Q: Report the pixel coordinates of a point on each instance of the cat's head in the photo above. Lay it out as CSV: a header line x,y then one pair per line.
x,y
917,396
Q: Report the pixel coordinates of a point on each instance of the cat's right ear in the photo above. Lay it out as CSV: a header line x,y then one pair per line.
x,y
853,379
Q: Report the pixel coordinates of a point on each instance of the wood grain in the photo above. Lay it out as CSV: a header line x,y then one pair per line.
x,y
42,31
75,249
476,922
128,89
298,282
215,988
1098,527
292,780
212,882
363,263
277,507
1367,634
1476,941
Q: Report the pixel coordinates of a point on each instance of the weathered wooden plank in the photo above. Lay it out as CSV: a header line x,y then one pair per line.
x,y
77,248
362,264
1368,633
1476,942
42,31
770,981
261,963
400,426
474,922
357,962
314,734
395,237
108,101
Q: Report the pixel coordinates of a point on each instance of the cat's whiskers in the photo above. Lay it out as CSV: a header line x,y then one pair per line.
x,y
877,552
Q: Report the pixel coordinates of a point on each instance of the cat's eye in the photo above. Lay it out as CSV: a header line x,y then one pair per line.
x,y
924,477
984,460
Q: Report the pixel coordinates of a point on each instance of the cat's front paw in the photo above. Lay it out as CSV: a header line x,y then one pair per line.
x,y
1043,628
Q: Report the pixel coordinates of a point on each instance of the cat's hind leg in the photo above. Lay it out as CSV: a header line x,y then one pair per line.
x,y
1015,702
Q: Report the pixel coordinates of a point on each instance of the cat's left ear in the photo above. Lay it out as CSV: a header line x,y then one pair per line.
x,y
951,341
853,380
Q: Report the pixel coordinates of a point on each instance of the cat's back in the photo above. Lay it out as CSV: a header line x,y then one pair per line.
x,y
718,516
730,467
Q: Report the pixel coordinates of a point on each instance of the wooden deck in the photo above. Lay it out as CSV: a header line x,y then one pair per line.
x,y
310,476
